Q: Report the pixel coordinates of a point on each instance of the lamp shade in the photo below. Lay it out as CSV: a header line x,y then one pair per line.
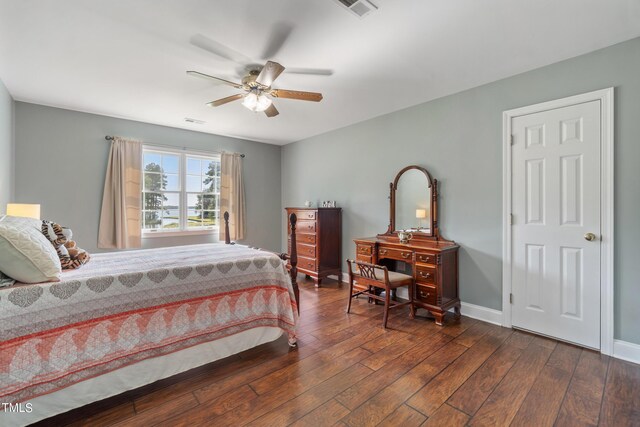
x,y
421,213
24,210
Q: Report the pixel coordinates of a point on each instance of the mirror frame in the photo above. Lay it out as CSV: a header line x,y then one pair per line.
x,y
434,232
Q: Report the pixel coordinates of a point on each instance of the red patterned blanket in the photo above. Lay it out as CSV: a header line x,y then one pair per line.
x,y
124,307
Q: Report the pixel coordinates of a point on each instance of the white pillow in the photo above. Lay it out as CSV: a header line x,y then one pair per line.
x,y
25,254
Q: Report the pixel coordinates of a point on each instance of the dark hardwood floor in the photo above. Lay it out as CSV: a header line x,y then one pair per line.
x,y
349,371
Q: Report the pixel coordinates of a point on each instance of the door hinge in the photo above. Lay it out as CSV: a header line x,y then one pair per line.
x,y
510,298
513,139
510,219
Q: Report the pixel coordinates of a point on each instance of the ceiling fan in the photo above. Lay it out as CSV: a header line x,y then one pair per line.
x,y
257,89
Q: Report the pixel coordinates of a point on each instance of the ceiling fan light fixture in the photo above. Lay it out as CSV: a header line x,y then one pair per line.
x,y
256,103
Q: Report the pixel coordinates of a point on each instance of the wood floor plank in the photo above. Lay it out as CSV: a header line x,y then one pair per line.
x,y
472,335
428,399
578,410
404,416
565,357
447,416
363,390
390,398
582,402
505,400
214,389
107,417
520,339
342,367
180,405
391,352
621,403
542,404
472,394
296,408
327,414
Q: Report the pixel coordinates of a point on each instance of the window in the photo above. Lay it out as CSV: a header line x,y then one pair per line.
x,y
180,191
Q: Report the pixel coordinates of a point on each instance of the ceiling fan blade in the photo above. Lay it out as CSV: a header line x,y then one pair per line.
x,y
207,76
296,94
272,111
311,71
222,101
279,35
218,49
269,73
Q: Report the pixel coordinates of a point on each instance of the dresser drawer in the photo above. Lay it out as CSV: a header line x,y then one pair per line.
x,y
426,294
395,254
309,239
364,258
364,250
305,214
425,274
307,263
306,226
426,258
306,251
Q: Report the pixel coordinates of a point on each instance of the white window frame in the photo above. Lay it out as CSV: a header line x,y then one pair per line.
x,y
182,173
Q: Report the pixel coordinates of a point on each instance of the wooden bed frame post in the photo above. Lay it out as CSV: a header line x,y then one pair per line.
x,y
291,257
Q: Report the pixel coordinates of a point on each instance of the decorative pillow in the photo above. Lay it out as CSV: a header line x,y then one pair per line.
x,y
5,281
25,254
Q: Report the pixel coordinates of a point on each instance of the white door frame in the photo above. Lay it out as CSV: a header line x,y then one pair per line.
x,y
605,96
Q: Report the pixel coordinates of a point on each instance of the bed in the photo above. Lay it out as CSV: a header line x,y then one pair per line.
x,y
127,319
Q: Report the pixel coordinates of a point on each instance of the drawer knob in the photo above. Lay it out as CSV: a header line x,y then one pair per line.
x,y
383,251
405,255
423,295
425,275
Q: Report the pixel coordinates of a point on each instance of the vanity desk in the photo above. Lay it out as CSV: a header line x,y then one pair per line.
x,y
409,248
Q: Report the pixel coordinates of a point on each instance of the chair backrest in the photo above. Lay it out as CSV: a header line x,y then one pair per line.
x,y
367,271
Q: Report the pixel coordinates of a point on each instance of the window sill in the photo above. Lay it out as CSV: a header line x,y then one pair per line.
x,y
152,235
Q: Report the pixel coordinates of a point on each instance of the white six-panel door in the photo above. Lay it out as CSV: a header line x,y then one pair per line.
x,y
555,205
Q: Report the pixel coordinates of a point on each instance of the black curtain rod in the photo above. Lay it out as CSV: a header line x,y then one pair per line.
x,y
111,138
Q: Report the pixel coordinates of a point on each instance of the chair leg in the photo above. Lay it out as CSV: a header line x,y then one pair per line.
x,y
387,303
412,307
350,294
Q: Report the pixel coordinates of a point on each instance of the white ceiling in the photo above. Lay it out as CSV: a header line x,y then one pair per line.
x,y
128,59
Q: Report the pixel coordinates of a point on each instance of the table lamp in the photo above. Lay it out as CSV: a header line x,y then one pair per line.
x,y
23,210
420,215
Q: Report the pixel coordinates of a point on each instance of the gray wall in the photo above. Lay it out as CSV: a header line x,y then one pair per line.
x,y
459,138
6,147
61,158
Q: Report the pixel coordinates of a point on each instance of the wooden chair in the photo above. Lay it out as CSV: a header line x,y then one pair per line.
x,y
371,277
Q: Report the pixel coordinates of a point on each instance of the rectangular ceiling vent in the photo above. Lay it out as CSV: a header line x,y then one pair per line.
x,y
360,8
196,121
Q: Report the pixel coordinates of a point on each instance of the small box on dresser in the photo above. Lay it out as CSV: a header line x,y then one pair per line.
x,y
319,240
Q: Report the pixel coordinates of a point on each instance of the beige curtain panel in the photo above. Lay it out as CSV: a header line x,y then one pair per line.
x,y
120,223
232,195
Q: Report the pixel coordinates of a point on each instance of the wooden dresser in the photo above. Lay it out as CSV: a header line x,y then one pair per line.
x,y
319,240
434,265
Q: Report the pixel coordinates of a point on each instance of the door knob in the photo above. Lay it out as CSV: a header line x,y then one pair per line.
x,y
590,237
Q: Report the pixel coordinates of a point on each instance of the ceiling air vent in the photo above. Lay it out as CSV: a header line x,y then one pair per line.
x,y
361,8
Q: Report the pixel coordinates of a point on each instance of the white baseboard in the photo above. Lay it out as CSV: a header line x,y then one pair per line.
x,y
479,312
626,351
